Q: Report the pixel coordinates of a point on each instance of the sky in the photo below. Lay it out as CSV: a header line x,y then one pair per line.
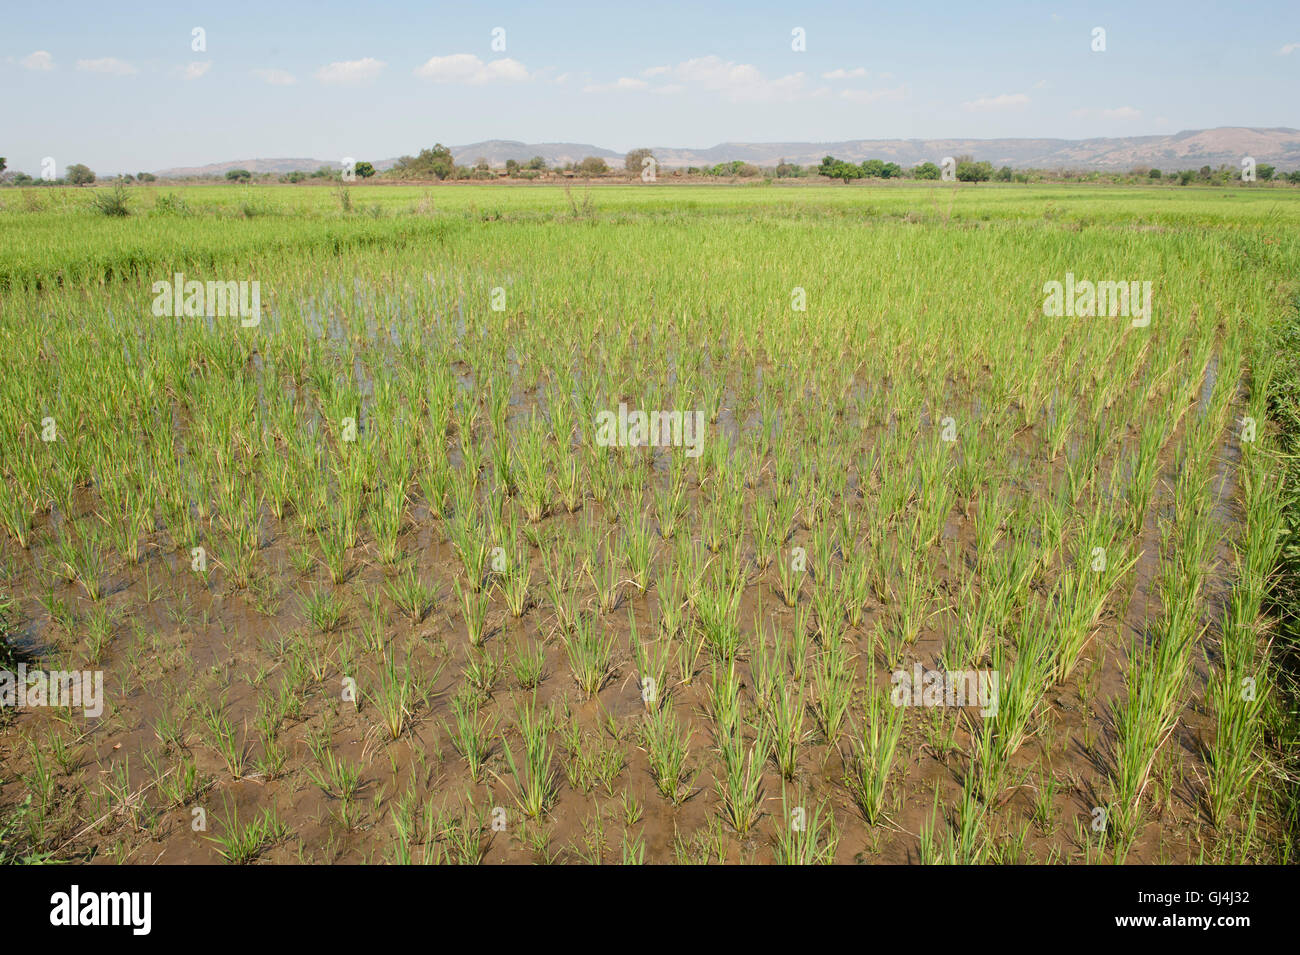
x,y
123,89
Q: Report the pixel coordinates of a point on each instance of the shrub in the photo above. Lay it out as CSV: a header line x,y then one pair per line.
x,y
970,171
435,163
79,175
927,170
635,159
238,175
111,202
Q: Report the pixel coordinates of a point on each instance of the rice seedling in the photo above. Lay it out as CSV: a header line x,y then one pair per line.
x,y
590,654
805,838
1064,502
535,782
242,843
874,751
667,746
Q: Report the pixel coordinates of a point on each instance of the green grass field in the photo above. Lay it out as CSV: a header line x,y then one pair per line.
x,y
366,584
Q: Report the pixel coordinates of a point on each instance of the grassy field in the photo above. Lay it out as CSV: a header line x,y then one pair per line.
x,y
365,582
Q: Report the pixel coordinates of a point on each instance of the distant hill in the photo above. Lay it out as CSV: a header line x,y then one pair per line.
x,y
1279,146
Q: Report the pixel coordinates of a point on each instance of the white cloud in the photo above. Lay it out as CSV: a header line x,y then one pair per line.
x,y
656,71
991,103
39,60
736,82
468,69
856,73
197,69
351,72
874,96
276,77
622,84
1122,112
1288,49
108,64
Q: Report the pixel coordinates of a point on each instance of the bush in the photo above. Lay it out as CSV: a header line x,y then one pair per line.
x,y
171,204
927,170
79,175
364,169
111,202
238,175
593,166
435,163
635,159
971,171
1154,174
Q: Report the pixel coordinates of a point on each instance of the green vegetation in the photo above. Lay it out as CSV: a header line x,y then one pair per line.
x,y
359,564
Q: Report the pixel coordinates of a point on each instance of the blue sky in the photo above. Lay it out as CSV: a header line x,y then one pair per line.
x,y
120,88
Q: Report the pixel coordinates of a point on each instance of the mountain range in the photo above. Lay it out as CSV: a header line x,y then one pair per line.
x,y
1279,146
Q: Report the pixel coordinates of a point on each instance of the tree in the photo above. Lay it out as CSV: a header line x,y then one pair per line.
x,y
891,170
79,175
537,162
593,166
512,167
970,171
785,170
873,168
435,163
238,175
1155,174
927,170
634,161
1263,172
2,163
1004,174
364,169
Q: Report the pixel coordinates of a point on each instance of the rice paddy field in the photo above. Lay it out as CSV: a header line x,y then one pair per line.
x,y
369,577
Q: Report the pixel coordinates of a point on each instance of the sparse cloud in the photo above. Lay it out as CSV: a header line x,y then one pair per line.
x,y
985,104
39,60
276,77
856,73
468,69
874,96
351,72
197,69
110,65
735,82
1042,85
622,84
1120,112
1288,49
